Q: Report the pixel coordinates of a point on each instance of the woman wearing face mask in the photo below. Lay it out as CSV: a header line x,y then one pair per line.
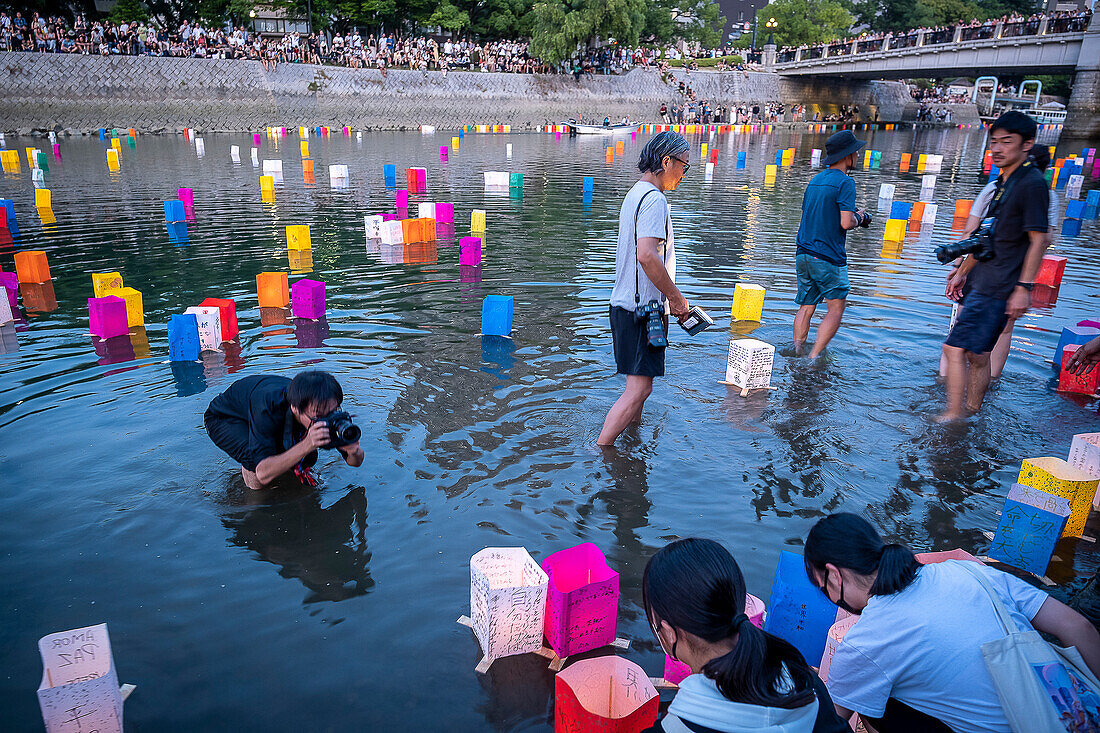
x,y
743,679
913,661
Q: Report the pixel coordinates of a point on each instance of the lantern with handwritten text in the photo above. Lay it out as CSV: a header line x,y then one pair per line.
x,y
676,671
582,600
507,602
79,690
603,695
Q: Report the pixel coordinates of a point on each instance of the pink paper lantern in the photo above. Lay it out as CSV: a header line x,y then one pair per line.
x,y
107,317
422,179
443,152
582,600
10,282
469,251
402,199
57,151
256,139
187,196
445,213
676,671
307,299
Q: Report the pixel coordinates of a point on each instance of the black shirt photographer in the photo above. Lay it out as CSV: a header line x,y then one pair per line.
x,y
272,425
1023,208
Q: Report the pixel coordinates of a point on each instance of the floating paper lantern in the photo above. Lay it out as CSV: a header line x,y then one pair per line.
x,y
79,689
749,364
135,308
410,231
235,153
273,289
31,266
477,220
832,642
107,317
1073,336
391,232
228,315
748,302
307,299
742,159
372,226
1055,476
208,320
582,599
274,168
895,230
507,602
798,611
469,251
445,213
906,158
105,283
1031,524
183,337
42,198
425,210
586,184
389,175
1051,271
297,237
605,694
496,316
338,176
174,211
1084,455
1085,384
886,191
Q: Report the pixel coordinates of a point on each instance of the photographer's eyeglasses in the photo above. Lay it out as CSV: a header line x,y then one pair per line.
x,y
687,165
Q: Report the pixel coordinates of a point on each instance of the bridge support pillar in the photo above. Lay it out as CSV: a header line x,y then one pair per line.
x,y
1083,113
768,57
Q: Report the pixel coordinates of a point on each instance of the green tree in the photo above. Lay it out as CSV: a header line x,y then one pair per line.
x,y
801,22
127,10
559,27
449,18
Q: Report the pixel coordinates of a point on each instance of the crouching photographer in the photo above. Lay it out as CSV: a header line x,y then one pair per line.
x,y
645,291
273,425
994,282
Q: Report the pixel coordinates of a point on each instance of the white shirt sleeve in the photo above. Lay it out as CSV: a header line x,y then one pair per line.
x,y
653,216
1014,592
857,683
981,204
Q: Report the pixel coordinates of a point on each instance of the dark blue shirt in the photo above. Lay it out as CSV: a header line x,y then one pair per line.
x,y
820,234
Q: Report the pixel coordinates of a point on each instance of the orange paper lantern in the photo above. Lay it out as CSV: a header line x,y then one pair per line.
x,y
273,289
31,266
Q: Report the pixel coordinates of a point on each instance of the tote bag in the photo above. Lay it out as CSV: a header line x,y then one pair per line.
x,y
1043,688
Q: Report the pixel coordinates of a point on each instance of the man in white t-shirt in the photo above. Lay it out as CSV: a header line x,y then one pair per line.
x,y
645,274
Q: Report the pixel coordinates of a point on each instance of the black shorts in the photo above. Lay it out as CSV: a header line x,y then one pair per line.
x,y
231,436
632,352
979,325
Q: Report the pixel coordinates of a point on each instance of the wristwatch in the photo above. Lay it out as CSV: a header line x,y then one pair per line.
x,y
1025,286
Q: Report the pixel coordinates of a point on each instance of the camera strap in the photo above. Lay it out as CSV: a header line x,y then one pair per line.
x,y
1003,190
637,265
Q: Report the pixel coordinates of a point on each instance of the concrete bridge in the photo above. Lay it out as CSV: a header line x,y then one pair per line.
x,y
1042,46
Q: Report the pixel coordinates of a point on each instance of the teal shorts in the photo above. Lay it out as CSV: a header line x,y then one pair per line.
x,y
819,280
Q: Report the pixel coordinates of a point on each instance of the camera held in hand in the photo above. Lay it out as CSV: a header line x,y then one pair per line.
x,y
341,430
864,219
979,244
651,313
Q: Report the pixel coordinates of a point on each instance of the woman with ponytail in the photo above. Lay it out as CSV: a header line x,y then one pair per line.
x,y
743,679
913,660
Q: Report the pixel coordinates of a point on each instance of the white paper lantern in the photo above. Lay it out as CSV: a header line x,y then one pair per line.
x,y
200,147
274,168
886,191
929,215
425,210
507,602
391,232
338,176
235,153
255,157
209,320
749,365
372,223
78,676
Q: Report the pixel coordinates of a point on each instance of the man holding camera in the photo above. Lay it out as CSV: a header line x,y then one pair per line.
x,y
821,262
995,280
645,291
273,425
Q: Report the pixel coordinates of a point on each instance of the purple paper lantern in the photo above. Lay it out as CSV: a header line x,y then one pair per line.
x,y
187,196
469,251
10,282
402,199
107,317
445,213
307,299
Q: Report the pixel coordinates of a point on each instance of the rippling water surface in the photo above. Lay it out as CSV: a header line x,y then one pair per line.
x,y
334,608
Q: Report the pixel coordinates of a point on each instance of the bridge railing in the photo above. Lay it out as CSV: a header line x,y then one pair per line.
x,y
1067,25
977,33
786,56
839,49
907,41
944,35
1020,28
869,46
808,54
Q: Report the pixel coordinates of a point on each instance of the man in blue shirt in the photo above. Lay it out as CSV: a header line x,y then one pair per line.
x,y
828,212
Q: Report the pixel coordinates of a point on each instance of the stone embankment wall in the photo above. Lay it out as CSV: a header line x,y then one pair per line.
x,y
83,93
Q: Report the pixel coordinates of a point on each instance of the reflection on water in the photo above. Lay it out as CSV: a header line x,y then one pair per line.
x,y
117,507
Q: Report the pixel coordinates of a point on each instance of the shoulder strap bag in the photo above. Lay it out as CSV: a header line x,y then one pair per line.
x,y
1043,688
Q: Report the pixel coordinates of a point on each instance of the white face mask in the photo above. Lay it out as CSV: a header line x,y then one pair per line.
x,y
661,644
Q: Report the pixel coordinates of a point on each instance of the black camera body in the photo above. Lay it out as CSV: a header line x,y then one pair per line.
x,y
651,313
341,430
979,244
864,219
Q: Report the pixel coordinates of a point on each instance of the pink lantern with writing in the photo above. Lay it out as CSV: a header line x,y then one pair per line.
x,y
582,600
832,642
604,695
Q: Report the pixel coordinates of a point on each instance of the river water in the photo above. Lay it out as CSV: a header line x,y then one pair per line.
x,y
335,608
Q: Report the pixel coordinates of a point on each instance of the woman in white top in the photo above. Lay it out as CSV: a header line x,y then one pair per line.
x,y
1040,158
913,660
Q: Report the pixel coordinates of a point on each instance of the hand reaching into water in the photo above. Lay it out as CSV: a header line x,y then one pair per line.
x,y
1085,358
